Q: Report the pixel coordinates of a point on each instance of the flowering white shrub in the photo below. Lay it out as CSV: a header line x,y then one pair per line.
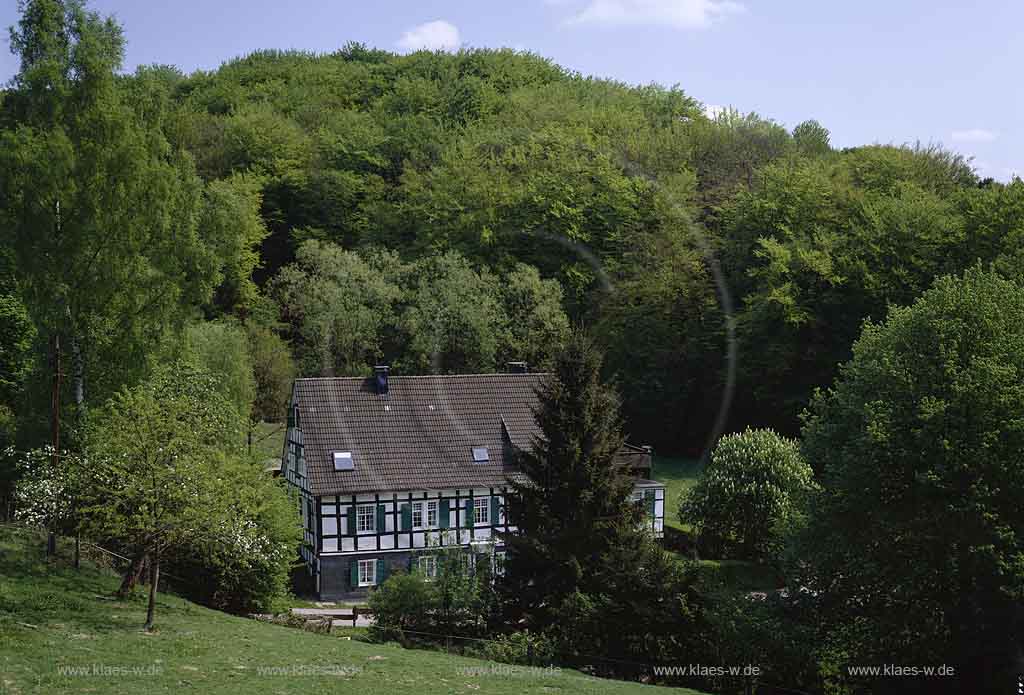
x,y
44,493
751,491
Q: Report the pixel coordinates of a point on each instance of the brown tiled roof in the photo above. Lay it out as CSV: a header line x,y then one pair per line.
x,y
419,435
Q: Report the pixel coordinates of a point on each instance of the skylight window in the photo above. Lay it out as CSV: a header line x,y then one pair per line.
x,y
343,461
480,454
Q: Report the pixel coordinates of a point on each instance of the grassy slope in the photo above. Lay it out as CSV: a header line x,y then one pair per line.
x,y
52,617
268,439
679,475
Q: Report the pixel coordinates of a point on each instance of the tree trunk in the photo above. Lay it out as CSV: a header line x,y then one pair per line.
x,y
154,579
78,375
132,576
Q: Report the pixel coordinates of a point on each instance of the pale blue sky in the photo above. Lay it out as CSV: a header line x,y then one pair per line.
x,y
870,71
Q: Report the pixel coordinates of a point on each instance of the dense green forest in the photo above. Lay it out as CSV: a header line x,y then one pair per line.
x,y
452,212
177,248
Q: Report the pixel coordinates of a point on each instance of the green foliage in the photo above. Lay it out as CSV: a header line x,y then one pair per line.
x,y
273,371
581,568
811,253
337,304
918,445
245,564
753,490
350,310
230,219
523,647
164,477
15,347
401,604
454,320
573,501
812,138
221,348
457,600
98,211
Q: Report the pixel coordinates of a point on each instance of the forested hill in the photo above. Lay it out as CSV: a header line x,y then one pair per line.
x,y
456,211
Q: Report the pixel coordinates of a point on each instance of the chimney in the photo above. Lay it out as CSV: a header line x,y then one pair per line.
x,y
380,378
517,367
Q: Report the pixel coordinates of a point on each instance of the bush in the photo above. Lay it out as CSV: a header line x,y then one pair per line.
x,y
454,602
750,495
525,648
402,603
246,566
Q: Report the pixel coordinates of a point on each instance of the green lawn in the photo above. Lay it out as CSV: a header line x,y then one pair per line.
x,y
679,475
61,633
268,439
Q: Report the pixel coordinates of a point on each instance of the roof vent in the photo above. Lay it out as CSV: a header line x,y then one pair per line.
x,y
380,378
480,454
343,461
517,367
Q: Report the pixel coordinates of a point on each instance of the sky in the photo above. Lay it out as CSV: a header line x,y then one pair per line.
x,y
892,71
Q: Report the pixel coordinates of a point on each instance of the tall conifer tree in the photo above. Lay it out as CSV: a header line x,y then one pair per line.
x,y
571,507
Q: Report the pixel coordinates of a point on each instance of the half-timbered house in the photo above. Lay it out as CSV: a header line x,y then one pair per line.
x,y
390,468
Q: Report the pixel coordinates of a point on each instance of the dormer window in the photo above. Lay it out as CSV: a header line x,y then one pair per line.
x,y
480,454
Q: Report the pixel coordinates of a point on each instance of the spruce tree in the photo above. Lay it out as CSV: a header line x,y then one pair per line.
x,y
571,505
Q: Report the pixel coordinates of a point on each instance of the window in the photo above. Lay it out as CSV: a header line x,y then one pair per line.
x,y
367,572
480,510
468,560
499,563
343,461
480,454
417,515
432,514
428,567
366,518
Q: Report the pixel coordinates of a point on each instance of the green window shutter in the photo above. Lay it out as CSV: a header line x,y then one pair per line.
x,y
291,417
444,514
494,511
406,517
353,572
382,572
468,522
381,519
350,521
649,496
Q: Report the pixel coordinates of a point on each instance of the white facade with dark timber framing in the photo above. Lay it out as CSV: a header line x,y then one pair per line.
x,y
390,468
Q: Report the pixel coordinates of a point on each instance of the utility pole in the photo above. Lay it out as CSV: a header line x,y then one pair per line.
x,y
51,537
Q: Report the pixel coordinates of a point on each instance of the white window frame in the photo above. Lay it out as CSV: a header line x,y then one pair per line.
x,y
481,508
367,578
362,516
428,567
432,506
468,562
499,563
417,515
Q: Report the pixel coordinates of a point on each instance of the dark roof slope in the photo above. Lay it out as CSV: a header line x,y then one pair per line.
x,y
420,435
